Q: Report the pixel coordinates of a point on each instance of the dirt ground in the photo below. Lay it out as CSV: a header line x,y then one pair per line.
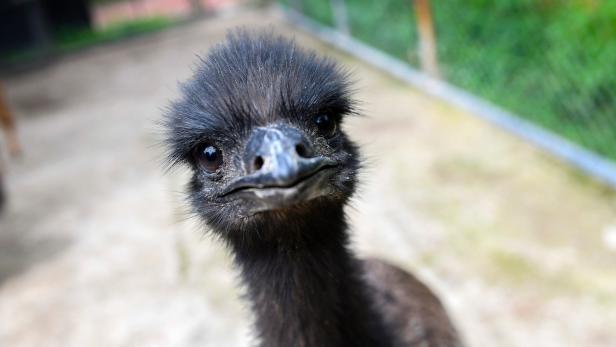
x,y
96,248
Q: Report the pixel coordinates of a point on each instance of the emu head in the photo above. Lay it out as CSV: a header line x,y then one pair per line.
x,y
259,124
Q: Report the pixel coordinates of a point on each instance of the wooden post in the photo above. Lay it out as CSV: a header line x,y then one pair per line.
x,y
427,38
340,15
8,125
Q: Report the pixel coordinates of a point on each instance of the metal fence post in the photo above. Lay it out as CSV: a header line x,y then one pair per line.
x,y
427,38
340,15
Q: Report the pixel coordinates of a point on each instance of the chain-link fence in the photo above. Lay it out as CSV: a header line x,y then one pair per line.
x,y
551,62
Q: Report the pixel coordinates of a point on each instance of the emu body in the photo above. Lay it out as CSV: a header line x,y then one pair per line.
x,y
259,124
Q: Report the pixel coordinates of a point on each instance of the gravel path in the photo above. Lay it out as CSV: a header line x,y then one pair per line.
x,y
96,249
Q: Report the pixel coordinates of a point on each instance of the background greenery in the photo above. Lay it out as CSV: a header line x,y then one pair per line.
x,y
552,62
71,39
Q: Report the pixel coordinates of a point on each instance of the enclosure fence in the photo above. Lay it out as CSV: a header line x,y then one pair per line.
x,y
550,62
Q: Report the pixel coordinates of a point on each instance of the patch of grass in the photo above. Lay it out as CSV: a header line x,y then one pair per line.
x,y
21,55
319,10
514,268
76,39
385,25
550,62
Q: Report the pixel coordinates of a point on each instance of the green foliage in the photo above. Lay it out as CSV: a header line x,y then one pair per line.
x,y
393,33
552,62
74,39
319,10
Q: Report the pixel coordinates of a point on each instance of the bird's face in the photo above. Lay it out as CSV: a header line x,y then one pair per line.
x,y
276,169
263,136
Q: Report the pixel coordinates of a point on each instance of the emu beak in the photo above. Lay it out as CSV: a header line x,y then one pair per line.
x,y
282,169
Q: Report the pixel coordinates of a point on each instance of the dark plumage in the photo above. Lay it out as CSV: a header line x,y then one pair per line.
x,y
259,124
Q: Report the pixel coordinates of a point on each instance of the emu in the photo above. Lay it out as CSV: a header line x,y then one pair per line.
x,y
259,124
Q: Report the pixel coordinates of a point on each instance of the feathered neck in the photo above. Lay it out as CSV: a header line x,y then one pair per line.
x,y
305,286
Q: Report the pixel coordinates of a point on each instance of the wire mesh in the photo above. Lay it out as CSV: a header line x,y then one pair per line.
x,y
550,62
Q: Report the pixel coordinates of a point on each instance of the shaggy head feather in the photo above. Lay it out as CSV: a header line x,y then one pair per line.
x,y
251,81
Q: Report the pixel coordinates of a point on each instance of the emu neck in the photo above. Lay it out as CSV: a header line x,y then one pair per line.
x,y
305,287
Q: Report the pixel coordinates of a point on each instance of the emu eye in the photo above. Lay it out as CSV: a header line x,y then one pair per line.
x,y
326,124
209,157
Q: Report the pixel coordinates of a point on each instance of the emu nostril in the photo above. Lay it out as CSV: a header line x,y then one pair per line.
x,y
301,150
258,163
